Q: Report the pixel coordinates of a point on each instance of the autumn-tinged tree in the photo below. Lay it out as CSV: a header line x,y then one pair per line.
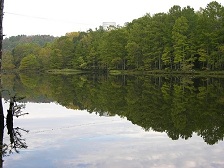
x,y
23,50
7,60
29,62
44,57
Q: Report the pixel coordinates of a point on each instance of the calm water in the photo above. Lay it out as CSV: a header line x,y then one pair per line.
x,y
115,122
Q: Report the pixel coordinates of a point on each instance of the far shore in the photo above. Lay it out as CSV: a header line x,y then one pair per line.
x,y
139,72
123,72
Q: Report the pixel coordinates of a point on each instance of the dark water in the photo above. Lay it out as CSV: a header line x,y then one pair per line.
x,y
114,121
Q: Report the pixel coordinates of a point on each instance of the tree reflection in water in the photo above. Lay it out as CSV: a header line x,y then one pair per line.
x,y
16,140
179,105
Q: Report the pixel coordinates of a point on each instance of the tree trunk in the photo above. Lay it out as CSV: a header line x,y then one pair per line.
x,y
1,107
1,30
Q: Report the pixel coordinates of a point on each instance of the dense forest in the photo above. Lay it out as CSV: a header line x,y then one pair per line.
x,y
11,42
181,39
179,106
26,44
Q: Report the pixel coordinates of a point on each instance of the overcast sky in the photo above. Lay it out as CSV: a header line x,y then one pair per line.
x,y
56,17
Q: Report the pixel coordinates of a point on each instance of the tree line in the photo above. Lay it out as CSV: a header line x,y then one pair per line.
x,y
181,39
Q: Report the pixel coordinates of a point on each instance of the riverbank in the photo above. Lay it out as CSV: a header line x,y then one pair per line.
x,y
65,71
137,72
163,72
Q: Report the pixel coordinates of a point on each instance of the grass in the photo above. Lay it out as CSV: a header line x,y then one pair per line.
x,y
65,71
164,72
142,72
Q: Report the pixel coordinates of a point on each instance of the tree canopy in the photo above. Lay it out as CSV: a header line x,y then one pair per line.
x,y
181,39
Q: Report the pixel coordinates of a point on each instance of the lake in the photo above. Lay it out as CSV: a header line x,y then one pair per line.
x,y
97,121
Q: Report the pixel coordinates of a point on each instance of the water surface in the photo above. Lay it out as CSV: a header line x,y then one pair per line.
x,y
98,121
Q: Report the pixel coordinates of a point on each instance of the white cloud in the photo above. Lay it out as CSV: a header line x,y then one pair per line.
x,y
69,15
78,138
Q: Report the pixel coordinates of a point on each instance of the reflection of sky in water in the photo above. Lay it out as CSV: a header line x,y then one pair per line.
x,y
60,137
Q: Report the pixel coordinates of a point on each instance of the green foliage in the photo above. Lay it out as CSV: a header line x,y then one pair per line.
x,y
13,41
29,62
180,39
56,59
178,106
7,60
23,50
114,45
64,46
44,56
